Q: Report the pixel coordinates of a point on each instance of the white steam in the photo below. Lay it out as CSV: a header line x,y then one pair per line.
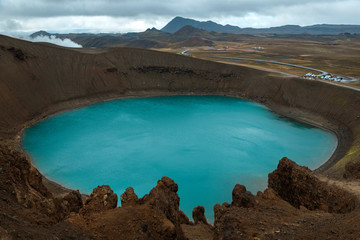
x,y
66,42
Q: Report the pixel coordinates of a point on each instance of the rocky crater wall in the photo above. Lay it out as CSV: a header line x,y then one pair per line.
x,y
38,80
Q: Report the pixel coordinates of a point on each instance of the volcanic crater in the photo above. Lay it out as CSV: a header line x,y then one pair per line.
x,y
38,81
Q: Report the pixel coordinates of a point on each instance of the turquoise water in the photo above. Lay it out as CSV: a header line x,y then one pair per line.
x,y
206,144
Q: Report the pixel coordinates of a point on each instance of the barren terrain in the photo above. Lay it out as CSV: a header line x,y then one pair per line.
x,y
337,56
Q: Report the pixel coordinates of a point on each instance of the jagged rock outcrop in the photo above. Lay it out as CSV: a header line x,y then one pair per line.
x,y
198,215
72,202
228,223
23,185
101,199
300,187
129,197
268,194
164,198
28,209
155,216
242,198
293,191
183,218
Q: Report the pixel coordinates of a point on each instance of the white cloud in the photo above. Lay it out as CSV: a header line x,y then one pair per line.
x,y
130,15
54,40
93,24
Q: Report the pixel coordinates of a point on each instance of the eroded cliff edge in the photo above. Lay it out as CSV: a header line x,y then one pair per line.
x,y
38,80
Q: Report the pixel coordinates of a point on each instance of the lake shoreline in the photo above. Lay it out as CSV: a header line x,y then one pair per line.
x,y
305,117
249,121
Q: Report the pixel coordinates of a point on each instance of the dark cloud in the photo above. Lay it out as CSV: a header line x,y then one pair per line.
x,y
127,8
12,25
135,15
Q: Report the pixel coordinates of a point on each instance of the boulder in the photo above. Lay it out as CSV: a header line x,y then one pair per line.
x,y
300,186
101,199
164,198
242,198
198,215
72,202
129,197
269,194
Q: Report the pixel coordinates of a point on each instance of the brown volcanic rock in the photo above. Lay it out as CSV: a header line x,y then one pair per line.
x,y
183,218
101,199
164,198
240,223
23,185
352,170
198,215
155,216
300,187
279,211
242,198
131,222
28,209
129,197
72,202
227,224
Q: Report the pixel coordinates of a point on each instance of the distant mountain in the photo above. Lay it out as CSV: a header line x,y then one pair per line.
x,y
40,33
321,29
189,35
179,22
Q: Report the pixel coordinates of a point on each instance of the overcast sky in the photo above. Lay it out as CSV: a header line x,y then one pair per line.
x,y
137,15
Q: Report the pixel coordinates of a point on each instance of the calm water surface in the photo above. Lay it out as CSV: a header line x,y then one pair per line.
x,y
206,144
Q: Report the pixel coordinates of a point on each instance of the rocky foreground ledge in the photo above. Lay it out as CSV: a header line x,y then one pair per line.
x,y
296,205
